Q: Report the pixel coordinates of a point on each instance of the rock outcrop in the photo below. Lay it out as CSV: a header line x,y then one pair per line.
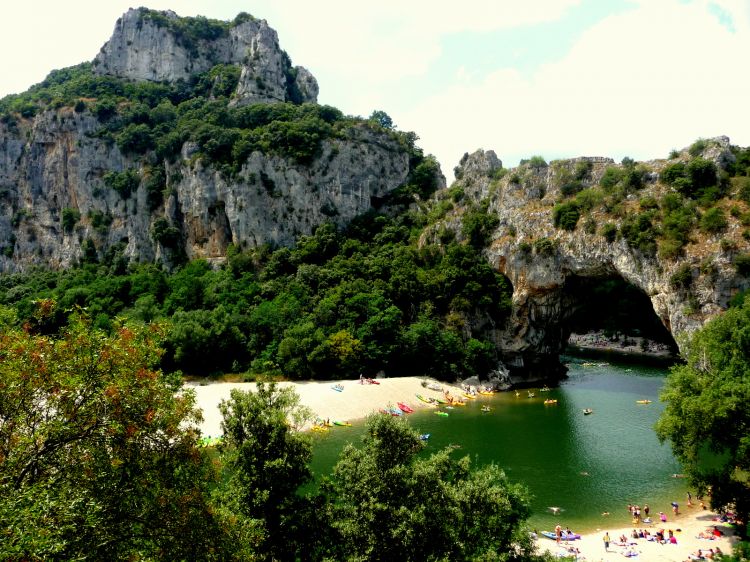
x,y
157,46
542,261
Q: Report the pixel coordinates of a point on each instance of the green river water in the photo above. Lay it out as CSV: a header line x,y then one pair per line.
x,y
586,465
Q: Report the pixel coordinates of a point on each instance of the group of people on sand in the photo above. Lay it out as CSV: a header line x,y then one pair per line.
x,y
635,513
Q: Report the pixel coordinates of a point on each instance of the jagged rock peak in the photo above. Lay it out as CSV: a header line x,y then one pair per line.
x,y
163,47
478,163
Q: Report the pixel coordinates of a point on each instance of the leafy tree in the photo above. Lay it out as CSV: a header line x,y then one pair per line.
x,y
387,502
98,455
267,460
382,119
706,415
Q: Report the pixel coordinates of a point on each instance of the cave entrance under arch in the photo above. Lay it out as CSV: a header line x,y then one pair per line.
x,y
608,315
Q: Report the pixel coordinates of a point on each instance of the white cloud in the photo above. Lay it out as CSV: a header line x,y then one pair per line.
x,y
638,84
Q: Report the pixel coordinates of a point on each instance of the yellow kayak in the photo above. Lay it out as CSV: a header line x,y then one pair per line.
x,y
469,396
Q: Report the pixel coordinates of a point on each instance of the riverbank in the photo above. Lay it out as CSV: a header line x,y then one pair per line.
x,y
355,401
687,528
620,348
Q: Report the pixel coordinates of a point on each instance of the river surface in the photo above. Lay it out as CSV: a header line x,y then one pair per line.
x,y
586,465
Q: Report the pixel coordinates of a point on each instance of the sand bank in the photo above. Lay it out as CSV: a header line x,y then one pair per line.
x,y
691,522
356,401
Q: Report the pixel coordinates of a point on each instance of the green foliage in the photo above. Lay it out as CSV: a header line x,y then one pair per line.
x,y
164,233
189,31
696,180
611,177
97,458
698,147
69,218
706,410
124,183
477,226
566,215
713,221
535,162
545,247
267,462
682,278
640,232
388,502
382,119
609,231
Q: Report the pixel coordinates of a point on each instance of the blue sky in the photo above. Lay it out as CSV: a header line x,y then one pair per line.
x,y
557,78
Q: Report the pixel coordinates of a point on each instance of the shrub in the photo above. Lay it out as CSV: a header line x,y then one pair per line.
x,y
535,162
100,221
69,218
672,172
647,203
670,249
135,139
682,278
545,247
609,231
611,177
124,183
727,245
698,147
640,232
164,233
582,170
566,215
713,221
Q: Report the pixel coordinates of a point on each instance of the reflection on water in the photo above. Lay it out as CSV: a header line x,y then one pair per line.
x,y
585,465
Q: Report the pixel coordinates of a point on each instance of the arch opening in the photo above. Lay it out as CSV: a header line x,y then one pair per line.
x,y
608,315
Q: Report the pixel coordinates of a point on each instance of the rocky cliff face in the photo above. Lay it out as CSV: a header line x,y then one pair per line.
x,y
58,205
54,166
154,46
542,261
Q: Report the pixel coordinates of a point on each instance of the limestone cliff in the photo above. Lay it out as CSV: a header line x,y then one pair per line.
x,y
542,260
162,47
72,189
54,164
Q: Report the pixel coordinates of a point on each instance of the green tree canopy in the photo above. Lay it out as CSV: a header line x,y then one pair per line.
x,y
98,457
390,503
267,462
707,417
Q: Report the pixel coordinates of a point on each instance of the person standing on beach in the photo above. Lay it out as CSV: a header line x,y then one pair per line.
x,y
690,499
558,533
606,541
645,509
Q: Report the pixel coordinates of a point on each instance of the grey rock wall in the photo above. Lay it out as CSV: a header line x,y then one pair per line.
x,y
142,49
55,162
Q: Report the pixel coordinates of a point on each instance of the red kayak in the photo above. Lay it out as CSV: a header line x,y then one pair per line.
x,y
404,408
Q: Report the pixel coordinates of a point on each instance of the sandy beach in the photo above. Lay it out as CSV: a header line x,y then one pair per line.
x,y
686,527
356,401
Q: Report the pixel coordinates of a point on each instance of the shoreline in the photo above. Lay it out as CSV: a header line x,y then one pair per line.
x,y
686,528
355,402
